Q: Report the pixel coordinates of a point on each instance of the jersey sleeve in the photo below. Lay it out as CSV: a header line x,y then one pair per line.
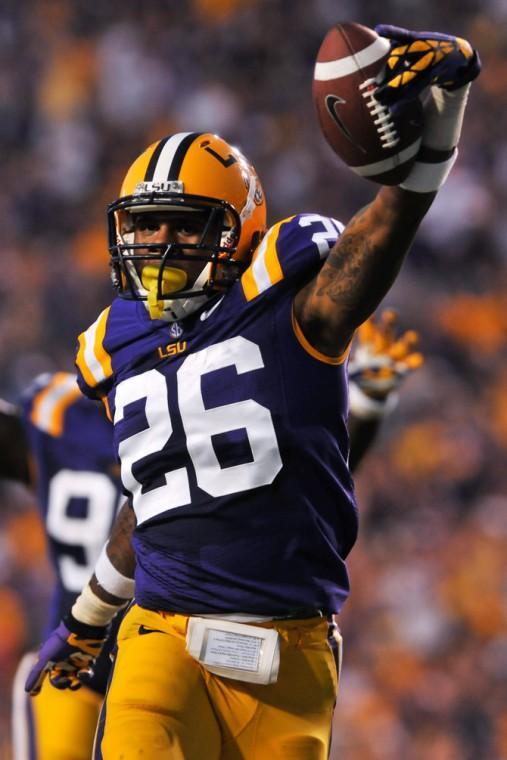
x,y
93,361
290,249
44,403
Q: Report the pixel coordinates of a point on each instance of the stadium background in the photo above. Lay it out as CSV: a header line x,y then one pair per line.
x,y
84,87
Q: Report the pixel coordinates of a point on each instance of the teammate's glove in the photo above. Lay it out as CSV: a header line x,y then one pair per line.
x,y
420,59
381,357
67,656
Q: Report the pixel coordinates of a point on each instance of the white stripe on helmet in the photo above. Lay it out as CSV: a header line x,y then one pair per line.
x,y
166,157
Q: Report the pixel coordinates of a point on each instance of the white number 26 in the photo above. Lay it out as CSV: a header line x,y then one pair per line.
x,y
199,425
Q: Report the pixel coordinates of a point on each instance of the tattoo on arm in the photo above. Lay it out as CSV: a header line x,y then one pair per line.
x,y
345,264
120,552
360,269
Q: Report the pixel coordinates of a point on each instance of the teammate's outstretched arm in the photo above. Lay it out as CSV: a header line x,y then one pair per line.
x,y
70,651
366,259
381,358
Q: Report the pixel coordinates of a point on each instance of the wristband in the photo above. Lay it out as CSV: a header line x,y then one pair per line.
x,y
84,629
111,579
367,408
89,609
443,116
427,176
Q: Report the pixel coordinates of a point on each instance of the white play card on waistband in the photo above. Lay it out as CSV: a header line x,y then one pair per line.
x,y
235,650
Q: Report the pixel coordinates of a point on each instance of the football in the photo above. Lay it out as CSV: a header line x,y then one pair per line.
x,y
376,142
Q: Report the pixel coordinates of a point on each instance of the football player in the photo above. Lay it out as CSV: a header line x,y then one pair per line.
x,y
60,443
223,366
41,446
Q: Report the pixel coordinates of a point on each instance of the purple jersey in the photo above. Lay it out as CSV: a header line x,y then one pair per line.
x,y
232,436
77,479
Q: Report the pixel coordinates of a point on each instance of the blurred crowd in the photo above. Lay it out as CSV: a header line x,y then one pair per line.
x,y
84,87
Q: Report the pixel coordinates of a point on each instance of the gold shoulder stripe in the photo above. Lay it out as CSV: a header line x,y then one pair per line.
x,y
265,269
93,361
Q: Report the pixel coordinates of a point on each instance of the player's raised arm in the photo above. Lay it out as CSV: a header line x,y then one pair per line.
x,y
366,259
360,269
70,651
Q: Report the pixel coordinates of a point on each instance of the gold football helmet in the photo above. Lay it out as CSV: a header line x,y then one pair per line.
x,y
186,172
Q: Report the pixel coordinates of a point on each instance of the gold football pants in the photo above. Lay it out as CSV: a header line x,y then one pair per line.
x,y
163,704
54,725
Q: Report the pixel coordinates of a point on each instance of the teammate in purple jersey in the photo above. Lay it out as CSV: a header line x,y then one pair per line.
x,y
223,364
60,443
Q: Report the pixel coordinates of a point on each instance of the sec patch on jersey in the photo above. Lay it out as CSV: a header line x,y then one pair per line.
x,y
377,142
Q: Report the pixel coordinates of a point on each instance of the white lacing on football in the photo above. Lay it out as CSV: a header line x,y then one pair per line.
x,y
383,121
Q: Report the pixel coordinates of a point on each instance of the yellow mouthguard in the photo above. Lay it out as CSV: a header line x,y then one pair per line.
x,y
172,280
